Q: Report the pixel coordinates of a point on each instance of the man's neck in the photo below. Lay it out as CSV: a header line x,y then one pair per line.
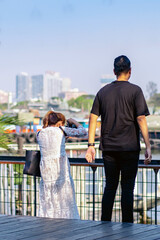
x,y
123,77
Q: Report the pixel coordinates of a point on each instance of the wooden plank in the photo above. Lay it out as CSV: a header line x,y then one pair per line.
x,y
71,232
108,230
155,235
60,232
89,231
130,233
75,234
13,226
34,228
21,221
69,226
44,227
147,233
104,230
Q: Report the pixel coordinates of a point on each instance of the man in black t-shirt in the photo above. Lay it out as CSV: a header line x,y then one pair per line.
x,y
122,108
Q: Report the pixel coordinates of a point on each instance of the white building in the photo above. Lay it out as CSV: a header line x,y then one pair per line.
x,y
72,93
4,97
52,85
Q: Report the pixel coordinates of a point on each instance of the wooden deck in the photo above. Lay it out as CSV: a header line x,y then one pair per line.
x,y
34,228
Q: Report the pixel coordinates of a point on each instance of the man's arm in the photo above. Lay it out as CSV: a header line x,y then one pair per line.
x,y
90,155
144,130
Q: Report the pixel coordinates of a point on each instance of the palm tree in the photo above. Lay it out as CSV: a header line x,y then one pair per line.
x,y
5,138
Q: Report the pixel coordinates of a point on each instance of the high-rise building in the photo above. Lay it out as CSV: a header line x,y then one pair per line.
x,y
52,85
40,87
23,87
37,86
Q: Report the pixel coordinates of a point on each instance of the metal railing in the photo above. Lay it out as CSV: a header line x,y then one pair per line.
x,y
19,194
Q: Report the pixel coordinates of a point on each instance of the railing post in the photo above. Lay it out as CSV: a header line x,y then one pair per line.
x,y
156,172
12,187
35,197
71,153
144,172
24,196
94,171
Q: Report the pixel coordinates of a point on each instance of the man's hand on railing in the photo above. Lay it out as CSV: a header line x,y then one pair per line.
x,y
148,156
90,154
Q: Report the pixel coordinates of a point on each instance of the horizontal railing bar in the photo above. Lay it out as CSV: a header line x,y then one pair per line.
x,y
155,164
12,158
12,162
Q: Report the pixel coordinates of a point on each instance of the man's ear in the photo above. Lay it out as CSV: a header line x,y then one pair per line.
x,y
129,72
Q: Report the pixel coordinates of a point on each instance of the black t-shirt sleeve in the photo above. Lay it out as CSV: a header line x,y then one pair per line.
x,y
140,104
96,106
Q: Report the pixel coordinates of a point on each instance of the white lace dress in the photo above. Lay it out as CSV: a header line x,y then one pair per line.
x,y
57,194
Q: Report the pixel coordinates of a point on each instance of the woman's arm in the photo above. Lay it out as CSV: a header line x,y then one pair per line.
x,y
72,121
75,132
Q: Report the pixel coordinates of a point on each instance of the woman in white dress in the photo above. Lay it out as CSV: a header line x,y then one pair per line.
x,y
57,194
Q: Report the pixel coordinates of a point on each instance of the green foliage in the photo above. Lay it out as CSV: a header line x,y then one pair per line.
x,y
5,120
4,138
18,173
10,120
83,102
155,100
3,106
22,104
151,88
56,98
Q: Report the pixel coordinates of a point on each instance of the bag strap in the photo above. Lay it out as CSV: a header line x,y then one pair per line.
x,y
65,134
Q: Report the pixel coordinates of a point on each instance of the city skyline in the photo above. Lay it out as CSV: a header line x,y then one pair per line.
x,y
41,86
79,39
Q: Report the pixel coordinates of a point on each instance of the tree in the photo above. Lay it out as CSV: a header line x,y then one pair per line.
x,y
155,100
151,89
3,106
83,102
22,105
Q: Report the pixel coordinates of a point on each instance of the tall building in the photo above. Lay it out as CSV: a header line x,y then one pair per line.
x,y
40,87
37,86
52,85
23,87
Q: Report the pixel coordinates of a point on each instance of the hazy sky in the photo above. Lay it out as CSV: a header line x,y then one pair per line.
x,y
79,39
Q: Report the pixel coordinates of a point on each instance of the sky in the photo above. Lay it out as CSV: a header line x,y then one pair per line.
x,y
80,39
